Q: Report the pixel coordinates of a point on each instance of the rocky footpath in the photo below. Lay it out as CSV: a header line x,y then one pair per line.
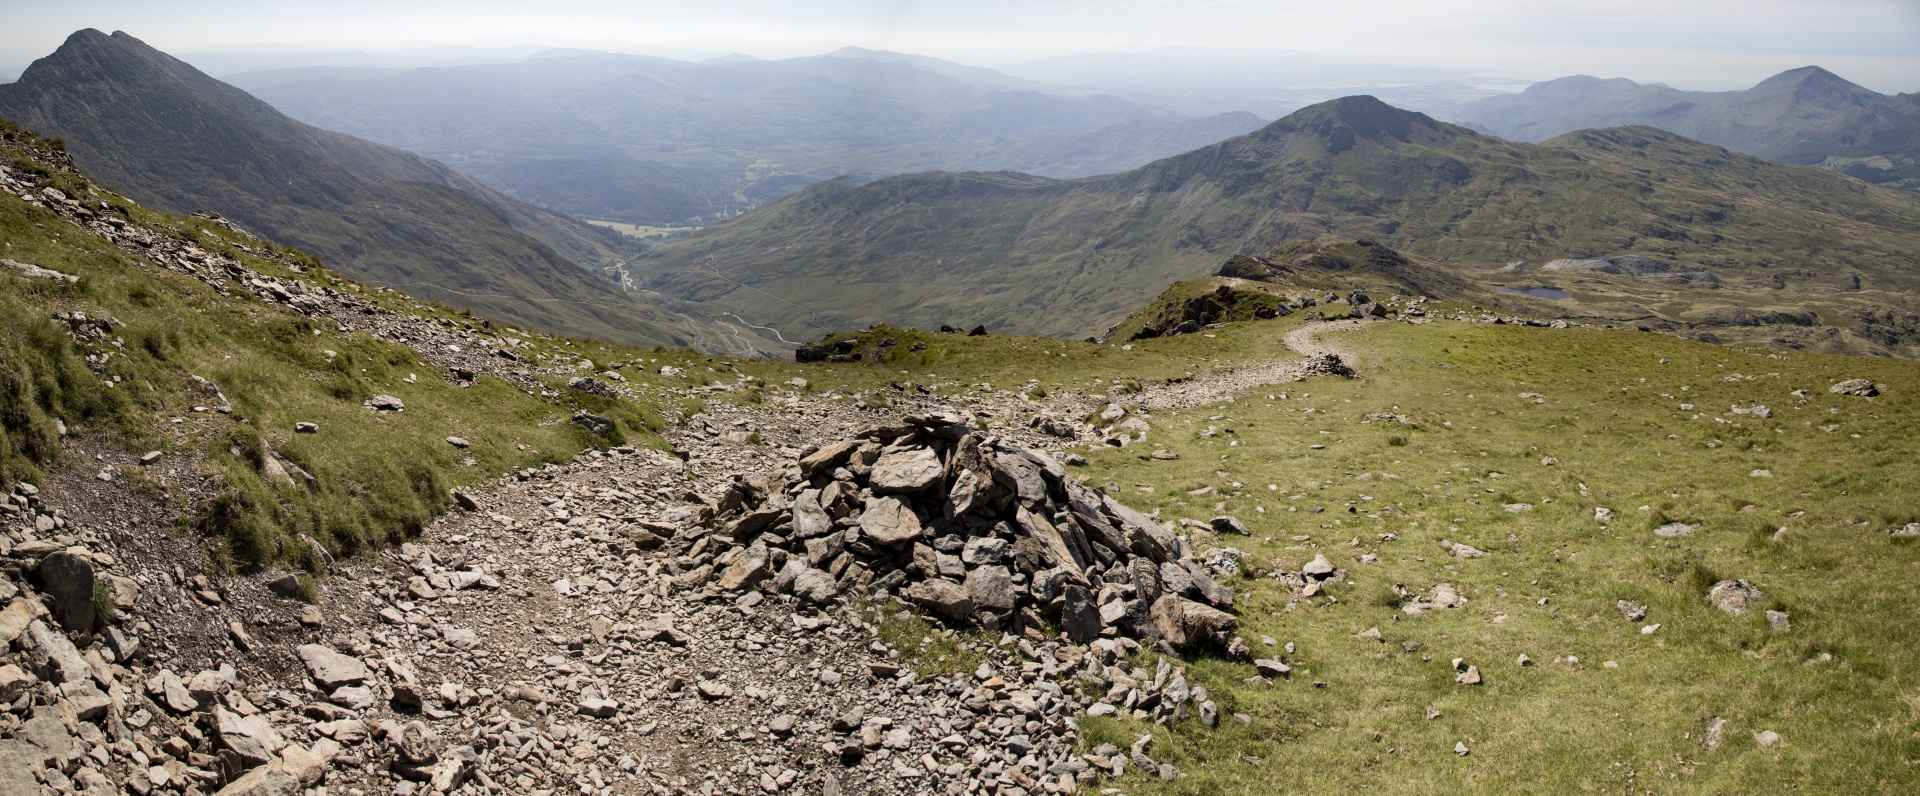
x,y
628,623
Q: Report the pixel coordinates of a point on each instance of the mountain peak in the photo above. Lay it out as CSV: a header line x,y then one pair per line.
x,y
1807,77
1360,116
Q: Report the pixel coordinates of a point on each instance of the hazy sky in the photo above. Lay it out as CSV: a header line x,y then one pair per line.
x,y
1689,43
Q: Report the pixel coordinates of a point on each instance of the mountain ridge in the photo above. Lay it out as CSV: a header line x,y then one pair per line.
x,y
652,141
1069,257
1804,116
168,136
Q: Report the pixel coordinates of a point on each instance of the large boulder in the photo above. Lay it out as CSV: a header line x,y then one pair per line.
x,y
1859,387
66,579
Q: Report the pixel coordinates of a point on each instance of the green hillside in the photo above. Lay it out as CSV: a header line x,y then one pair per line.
x,y
1069,258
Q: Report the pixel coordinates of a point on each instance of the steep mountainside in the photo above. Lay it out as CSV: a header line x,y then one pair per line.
x,y
1033,255
1805,116
656,141
177,140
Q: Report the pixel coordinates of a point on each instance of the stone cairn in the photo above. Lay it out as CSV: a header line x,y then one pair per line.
x,y
979,531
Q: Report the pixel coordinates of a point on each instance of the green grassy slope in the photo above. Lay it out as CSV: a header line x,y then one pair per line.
x,y
379,477
1838,685
1070,258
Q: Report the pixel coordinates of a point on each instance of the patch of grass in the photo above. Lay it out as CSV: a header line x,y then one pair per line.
x,y
927,649
105,611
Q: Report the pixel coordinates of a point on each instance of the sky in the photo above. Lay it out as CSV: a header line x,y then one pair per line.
x,y
1701,44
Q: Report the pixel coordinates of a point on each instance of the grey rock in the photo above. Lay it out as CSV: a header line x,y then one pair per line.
x,y
1175,580
810,519
1716,733
1146,580
1224,524
331,669
945,597
600,426
588,384
1079,618
598,708
905,471
263,781
889,521
251,737
456,767
1182,622
1734,596
984,550
991,588
62,662
827,458
1858,387
287,586
1272,667
1209,591
1673,529
815,586
1318,568
385,403
1779,621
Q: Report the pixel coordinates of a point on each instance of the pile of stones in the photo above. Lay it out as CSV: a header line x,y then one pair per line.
x,y
979,531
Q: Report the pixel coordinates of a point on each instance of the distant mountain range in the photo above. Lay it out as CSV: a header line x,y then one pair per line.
x,y
1272,83
1807,116
172,138
1033,255
648,140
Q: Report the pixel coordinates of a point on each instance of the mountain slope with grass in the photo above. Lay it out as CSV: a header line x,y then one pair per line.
x,y
1807,116
1031,255
654,141
179,141
250,499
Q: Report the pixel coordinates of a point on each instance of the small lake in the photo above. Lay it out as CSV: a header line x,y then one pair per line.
x,y
1548,293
